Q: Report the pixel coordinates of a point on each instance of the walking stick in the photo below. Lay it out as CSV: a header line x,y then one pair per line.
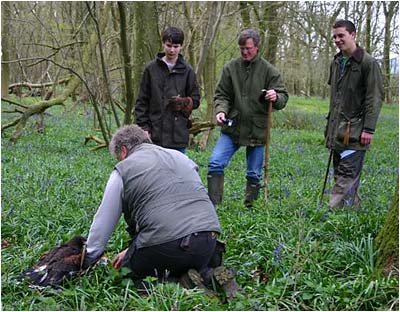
x,y
326,178
266,159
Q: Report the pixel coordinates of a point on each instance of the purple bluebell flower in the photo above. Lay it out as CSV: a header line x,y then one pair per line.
x,y
286,190
299,149
276,254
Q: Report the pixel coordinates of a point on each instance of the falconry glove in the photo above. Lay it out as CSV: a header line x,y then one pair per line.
x,y
181,104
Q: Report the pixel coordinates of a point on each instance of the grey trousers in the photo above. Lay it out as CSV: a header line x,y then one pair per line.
x,y
347,173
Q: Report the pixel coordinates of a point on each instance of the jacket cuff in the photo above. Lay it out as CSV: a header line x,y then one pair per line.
x,y
369,130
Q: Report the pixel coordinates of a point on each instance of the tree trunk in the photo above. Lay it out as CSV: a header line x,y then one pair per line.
x,y
5,47
368,20
190,34
209,78
104,12
389,10
127,65
153,45
387,241
214,19
139,42
273,27
245,14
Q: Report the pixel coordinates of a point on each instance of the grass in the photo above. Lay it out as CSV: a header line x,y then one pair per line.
x,y
291,256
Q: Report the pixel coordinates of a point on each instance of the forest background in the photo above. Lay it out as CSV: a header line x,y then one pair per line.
x,y
70,74
97,51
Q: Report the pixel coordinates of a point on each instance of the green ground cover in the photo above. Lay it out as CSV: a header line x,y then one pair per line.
x,y
291,256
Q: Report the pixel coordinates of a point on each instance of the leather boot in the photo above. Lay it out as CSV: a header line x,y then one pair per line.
x,y
215,184
225,278
252,193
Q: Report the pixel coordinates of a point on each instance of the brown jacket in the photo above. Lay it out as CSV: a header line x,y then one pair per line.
x,y
355,102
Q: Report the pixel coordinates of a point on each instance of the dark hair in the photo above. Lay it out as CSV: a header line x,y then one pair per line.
x,y
174,35
129,136
249,34
346,24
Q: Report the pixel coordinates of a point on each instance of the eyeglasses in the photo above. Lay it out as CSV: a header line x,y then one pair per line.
x,y
242,49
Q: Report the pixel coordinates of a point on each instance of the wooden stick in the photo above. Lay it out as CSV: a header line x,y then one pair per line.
x,y
266,158
326,178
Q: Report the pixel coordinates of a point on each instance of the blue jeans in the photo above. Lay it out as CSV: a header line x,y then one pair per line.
x,y
225,149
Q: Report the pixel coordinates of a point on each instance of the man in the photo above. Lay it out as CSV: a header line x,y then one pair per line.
x,y
168,93
168,212
355,102
241,109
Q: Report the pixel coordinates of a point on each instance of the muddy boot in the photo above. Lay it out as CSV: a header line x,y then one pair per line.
x,y
192,279
252,193
215,184
225,278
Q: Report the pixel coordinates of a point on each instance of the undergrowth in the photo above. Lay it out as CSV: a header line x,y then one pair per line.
x,y
291,255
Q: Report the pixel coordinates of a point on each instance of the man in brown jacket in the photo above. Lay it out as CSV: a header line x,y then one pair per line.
x,y
355,102
168,93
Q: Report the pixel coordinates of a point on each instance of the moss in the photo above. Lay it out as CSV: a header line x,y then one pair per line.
x,y
387,241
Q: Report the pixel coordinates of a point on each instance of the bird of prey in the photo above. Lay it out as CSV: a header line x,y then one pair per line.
x,y
57,264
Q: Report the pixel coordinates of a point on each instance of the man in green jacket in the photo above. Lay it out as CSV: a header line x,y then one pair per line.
x,y
168,93
355,102
241,99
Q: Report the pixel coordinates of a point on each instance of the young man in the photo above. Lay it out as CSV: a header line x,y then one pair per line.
x,y
355,102
168,93
239,98
170,217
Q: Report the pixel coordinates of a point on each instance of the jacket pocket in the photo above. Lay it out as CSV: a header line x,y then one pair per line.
x,y
259,127
349,129
180,132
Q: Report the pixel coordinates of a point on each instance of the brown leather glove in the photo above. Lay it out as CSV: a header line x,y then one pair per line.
x,y
181,104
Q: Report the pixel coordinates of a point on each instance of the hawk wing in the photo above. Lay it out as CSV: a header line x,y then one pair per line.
x,y
57,264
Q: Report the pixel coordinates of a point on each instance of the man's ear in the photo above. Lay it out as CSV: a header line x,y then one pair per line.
x,y
124,152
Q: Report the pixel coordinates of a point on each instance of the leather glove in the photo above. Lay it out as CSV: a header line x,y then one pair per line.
x,y
181,104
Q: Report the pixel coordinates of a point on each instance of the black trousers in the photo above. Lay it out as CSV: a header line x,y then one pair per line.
x,y
176,257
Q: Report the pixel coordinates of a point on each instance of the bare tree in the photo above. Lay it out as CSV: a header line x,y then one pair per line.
x,y
5,46
389,9
127,64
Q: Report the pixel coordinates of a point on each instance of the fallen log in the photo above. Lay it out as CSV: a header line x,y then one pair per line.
x,y
200,126
36,85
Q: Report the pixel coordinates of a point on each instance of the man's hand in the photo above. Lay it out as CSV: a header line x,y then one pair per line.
x,y
366,138
271,96
220,118
117,260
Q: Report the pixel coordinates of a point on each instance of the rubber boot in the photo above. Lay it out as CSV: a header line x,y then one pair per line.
x,y
215,184
225,278
192,279
252,193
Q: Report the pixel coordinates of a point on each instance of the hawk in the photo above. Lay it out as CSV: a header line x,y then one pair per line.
x,y
57,264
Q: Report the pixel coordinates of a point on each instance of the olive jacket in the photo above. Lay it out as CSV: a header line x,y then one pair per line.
x,y
238,95
163,196
355,100
158,85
